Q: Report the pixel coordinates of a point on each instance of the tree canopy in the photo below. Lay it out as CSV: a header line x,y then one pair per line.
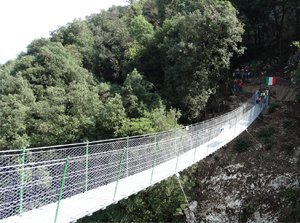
x,y
125,71
146,67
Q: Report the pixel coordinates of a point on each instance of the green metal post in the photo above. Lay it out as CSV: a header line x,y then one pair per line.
x,y
127,156
175,137
22,181
209,139
228,130
196,146
191,136
154,161
119,172
220,134
86,165
235,126
61,188
178,153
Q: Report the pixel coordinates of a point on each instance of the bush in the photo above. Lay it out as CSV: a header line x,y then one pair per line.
x,y
297,212
272,107
266,132
247,211
269,143
241,145
260,118
291,194
217,158
287,123
288,148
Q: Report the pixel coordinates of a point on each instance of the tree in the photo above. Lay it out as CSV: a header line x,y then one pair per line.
x,y
137,95
77,33
50,65
296,73
16,99
266,21
140,29
195,48
111,38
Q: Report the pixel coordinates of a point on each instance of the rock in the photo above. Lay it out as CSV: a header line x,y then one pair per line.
x,y
189,213
233,98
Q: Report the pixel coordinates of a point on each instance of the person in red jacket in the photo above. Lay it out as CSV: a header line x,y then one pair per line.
x,y
241,85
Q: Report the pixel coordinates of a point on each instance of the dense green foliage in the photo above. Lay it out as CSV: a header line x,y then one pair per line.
x,y
296,73
134,70
125,71
268,23
240,145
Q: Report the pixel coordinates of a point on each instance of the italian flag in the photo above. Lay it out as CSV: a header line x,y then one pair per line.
x,y
271,80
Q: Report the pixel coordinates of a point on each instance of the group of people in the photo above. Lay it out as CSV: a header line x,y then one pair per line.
x,y
237,85
262,94
242,73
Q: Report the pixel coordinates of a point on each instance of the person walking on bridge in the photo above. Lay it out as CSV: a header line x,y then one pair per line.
x,y
268,95
257,94
235,85
237,73
241,85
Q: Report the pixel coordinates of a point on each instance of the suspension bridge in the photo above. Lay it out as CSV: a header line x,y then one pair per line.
x,y
67,182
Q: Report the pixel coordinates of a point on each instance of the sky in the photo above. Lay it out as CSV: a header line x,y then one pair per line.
x,y
22,21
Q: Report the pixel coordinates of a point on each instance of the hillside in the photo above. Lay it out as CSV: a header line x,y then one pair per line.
x,y
158,65
260,184
255,183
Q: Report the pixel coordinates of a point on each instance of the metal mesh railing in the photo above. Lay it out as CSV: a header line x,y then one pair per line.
x,y
32,178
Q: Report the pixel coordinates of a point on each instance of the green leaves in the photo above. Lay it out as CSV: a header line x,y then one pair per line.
x,y
197,46
16,100
140,29
296,73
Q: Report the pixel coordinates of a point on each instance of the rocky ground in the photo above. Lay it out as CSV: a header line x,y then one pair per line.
x,y
260,184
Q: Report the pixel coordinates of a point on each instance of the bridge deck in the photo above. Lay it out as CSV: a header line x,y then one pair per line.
x,y
80,205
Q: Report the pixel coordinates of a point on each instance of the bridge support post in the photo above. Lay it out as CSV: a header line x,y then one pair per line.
x,y
61,188
86,165
119,173
127,156
235,126
192,138
22,181
154,160
178,153
196,146
209,140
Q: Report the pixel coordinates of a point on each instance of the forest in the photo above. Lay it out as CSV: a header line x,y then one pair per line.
x,y
147,67
142,68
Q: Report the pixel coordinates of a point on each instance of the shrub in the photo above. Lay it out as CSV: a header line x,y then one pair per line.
x,y
241,145
260,118
248,210
287,123
291,194
288,148
269,142
266,132
272,107
217,158
297,212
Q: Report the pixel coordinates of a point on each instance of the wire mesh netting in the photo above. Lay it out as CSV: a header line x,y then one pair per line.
x,y
32,178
